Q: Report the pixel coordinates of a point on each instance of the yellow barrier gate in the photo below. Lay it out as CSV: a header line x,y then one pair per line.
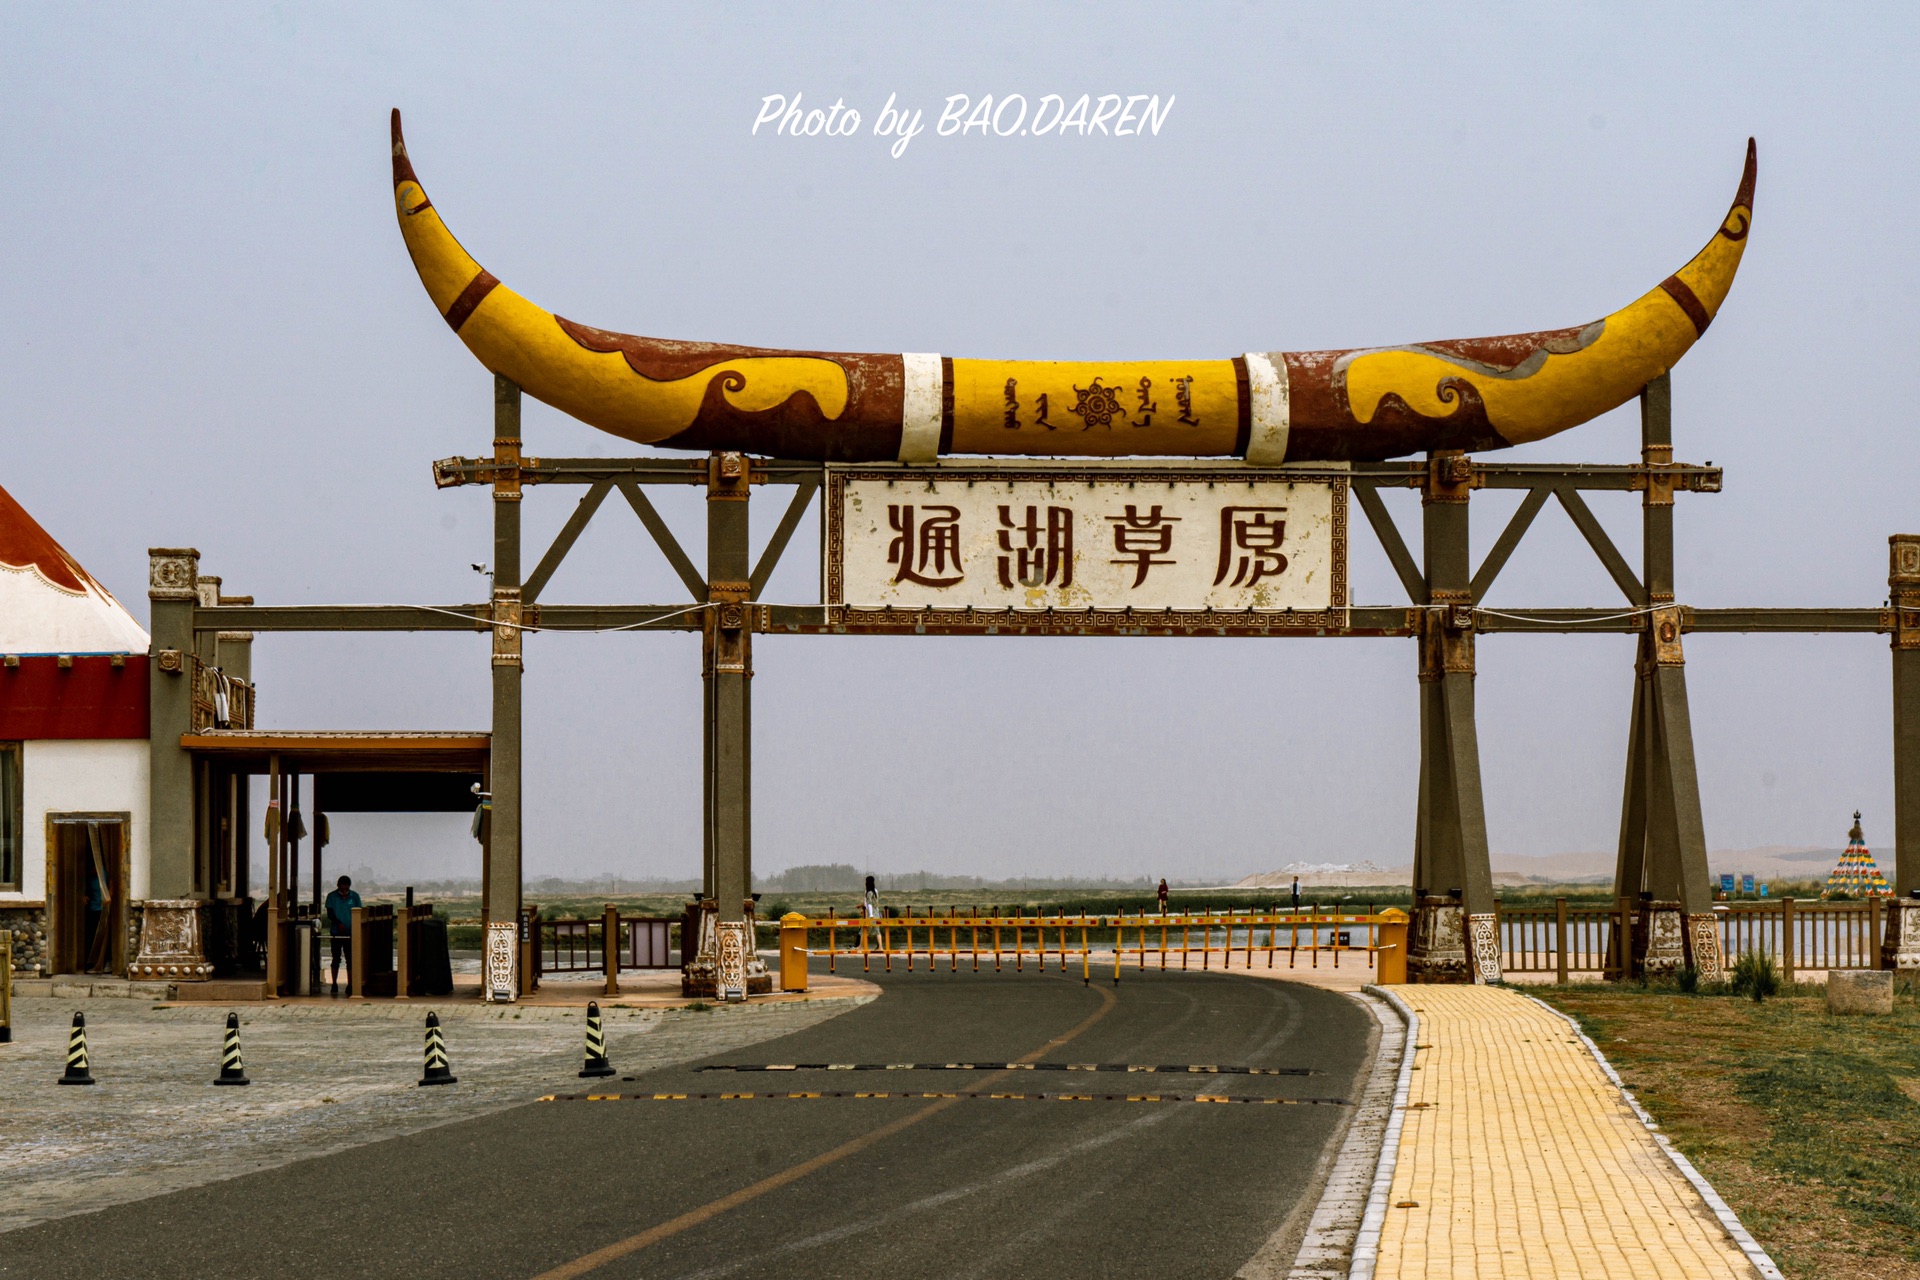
x,y
1147,939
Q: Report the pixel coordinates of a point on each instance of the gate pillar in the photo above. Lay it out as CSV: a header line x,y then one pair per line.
x,y
1662,859
501,976
723,963
1455,936
1901,949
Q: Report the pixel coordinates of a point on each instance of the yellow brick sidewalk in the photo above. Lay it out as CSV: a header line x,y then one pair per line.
x,y
1525,1161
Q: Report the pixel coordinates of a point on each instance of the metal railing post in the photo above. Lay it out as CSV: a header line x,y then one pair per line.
x,y
356,955
1560,940
1787,940
610,947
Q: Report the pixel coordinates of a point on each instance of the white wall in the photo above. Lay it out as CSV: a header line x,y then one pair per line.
x,y
82,776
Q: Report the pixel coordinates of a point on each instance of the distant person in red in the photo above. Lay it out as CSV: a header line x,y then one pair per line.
x,y
1163,897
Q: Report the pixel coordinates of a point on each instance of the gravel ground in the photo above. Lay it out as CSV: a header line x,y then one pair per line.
x,y
324,1079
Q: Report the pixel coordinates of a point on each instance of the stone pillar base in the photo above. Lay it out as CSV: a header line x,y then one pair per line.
x,y
1901,948
721,968
172,945
1659,938
500,962
1483,933
1437,947
1703,947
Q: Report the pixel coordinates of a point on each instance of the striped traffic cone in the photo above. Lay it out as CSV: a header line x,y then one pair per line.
x,y
597,1064
77,1069
438,1072
232,1070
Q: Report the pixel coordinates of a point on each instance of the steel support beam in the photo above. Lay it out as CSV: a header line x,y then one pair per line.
x,y
500,965
1454,934
1662,865
727,741
1903,584
777,544
727,652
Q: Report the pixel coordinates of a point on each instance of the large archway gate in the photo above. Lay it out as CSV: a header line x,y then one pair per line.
x,y
1203,497
1662,860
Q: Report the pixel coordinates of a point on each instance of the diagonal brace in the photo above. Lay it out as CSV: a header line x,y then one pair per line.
x,y
1509,539
802,497
564,540
1596,536
1391,542
663,538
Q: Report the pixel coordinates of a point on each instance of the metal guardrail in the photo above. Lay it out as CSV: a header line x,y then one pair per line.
x,y
1185,940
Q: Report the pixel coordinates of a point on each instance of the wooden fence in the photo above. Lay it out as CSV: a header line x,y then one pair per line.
x,y
1799,935
579,946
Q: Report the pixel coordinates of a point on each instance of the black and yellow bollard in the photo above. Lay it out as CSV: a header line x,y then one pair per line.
x,y
597,1064
438,1072
232,1070
77,1070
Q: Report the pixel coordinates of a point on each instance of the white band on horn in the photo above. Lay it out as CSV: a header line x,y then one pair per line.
x,y
922,383
1271,410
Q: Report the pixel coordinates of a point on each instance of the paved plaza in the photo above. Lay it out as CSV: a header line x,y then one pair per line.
x,y
1520,1159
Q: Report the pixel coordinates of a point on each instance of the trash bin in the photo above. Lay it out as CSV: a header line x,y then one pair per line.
x,y
432,966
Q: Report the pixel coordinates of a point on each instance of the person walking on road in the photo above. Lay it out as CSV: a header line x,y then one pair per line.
x,y
870,911
1163,895
340,905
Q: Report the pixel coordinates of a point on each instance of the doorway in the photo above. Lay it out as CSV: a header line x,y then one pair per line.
x,y
87,898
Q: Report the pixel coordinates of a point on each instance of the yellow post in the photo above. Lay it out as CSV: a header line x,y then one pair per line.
x,y
1392,967
793,952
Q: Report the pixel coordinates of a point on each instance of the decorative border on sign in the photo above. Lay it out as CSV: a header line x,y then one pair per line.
x,y
1079,621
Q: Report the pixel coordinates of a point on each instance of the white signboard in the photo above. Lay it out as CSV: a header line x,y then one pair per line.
x,y
1188,542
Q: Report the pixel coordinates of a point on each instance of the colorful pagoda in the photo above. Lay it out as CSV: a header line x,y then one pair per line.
x,y
1857,876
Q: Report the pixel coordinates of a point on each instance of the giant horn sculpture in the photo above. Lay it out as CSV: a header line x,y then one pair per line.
x,y
1265,407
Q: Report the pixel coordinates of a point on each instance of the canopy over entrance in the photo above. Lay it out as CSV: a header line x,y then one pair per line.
x,y
413,759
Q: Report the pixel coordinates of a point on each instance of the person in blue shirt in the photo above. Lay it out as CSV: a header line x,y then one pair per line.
x,y
340,905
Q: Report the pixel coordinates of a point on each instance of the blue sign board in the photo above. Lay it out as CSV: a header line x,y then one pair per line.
x,y
1746,884
1726,883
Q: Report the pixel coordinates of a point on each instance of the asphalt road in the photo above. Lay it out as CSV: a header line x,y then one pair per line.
x,y
847,1187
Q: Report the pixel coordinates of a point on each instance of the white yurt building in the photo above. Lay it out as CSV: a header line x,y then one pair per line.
x,y
73,758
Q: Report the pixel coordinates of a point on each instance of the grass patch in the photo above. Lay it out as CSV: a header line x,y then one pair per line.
x,y
1808,1123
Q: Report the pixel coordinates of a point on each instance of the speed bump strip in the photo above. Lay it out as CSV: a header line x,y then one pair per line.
x,y
1195,1069
994,1097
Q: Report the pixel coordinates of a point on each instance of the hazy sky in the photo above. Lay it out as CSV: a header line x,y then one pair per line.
x,y
210,335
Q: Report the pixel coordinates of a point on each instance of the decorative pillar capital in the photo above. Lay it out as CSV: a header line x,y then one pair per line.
x,y
1903,588
507,630
1450,477
1446,636
1664,627
729,477
173,573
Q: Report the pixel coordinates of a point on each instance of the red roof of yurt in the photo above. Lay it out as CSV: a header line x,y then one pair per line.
x,y
73,662
49,603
